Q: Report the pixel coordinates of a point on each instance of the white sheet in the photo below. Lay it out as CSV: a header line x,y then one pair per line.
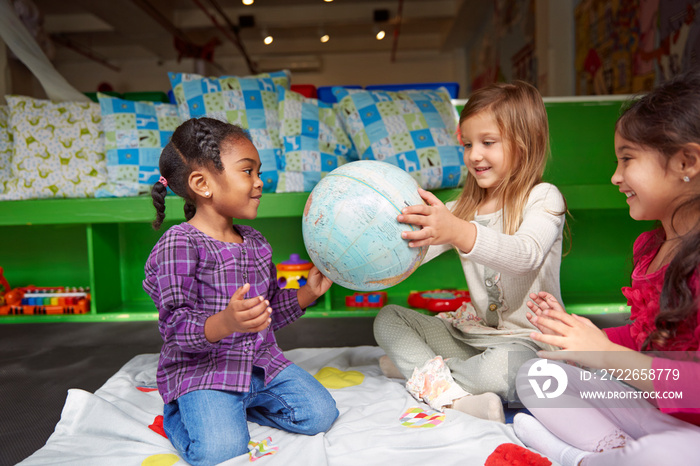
x,y
110,427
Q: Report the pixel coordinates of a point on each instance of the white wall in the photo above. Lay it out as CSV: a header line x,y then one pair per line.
x,y
134,75
340,69
555,47
5,83
554,36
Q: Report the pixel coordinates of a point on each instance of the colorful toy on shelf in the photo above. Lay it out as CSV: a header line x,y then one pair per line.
x,y
375,299
294,272
438,300
42,300
4,287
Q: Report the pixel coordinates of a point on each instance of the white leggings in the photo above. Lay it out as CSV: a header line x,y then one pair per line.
x,y
628,432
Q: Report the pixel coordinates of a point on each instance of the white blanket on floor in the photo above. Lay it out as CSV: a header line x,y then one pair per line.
x,y
379,422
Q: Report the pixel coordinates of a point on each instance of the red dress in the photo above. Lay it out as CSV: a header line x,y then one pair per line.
x,y
643,299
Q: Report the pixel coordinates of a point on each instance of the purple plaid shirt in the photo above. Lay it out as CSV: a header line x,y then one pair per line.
x,y
191,276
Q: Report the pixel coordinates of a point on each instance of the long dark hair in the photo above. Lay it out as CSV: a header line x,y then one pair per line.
x,y
195,143
665,120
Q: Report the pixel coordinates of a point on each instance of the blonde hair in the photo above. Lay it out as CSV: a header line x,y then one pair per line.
x,y
522,120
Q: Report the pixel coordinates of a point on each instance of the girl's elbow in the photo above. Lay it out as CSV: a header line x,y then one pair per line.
x,y
528,266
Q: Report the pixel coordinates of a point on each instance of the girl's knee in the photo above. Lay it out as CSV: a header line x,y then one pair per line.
x,y
212,450
387,313
387,317
523,388
323,415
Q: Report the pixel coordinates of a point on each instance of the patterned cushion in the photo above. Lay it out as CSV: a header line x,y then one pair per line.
x,y
314,142
414,129
250,102
58,149
5,148
135,134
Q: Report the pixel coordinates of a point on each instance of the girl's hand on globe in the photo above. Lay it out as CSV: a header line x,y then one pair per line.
x,y
438,224
316,285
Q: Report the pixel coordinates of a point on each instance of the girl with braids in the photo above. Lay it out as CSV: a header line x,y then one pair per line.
x,y
657,144
214,284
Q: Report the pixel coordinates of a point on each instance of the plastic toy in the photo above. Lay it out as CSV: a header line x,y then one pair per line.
x,y
4,287
375,299
294,272
42,300
438,300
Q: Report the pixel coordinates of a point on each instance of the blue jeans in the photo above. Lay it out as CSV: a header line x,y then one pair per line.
x,y
207,427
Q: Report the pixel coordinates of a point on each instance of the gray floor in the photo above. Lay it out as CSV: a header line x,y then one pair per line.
x,y
40,362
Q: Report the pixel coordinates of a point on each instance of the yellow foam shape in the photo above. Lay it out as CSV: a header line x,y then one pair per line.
x,y
165,459
331,377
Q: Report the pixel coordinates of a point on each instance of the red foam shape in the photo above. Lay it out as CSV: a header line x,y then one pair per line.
x,y
510,454
157,426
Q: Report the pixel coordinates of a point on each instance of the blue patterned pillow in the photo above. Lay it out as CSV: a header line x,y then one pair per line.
x,y
413,129
135,134
314,142
249,102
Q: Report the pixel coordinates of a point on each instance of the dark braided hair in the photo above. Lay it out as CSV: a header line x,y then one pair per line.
x,y
195,143
665,120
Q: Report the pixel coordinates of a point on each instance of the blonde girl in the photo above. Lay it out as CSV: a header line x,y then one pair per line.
x,y
506,227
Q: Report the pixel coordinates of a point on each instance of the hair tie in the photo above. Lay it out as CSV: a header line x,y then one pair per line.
x,y
458,133
163,181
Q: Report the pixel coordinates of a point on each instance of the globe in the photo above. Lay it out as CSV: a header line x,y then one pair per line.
x,y
350,229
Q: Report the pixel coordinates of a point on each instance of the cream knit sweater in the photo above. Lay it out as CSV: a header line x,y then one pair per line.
x,y
502,270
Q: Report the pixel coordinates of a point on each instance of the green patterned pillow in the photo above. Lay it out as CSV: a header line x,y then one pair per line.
x,y
250,102
314,142
135,134
5,149
58,149
413,129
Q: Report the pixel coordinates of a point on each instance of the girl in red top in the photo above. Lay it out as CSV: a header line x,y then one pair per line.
x,y
633,418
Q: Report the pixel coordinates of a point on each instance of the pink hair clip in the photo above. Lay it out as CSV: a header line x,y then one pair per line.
x,y
458,133
163,181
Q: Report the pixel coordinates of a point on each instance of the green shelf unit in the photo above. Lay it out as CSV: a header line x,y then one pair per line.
x,y
104,243
124,210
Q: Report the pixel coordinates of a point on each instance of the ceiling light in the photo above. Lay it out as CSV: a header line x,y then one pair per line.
x,y
247,2
327,1
267,37
380,35
322,35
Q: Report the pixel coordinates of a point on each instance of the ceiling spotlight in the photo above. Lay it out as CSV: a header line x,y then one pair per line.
x,y
247,2
267,37
327,1
322,35
380,16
